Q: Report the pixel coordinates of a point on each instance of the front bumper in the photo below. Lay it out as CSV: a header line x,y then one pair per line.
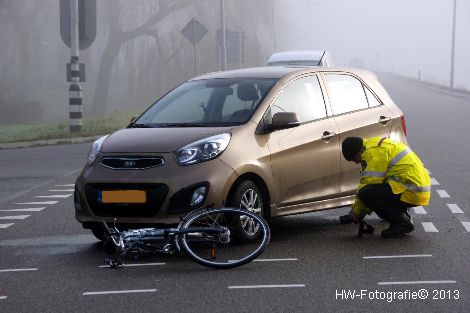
x,y
166,187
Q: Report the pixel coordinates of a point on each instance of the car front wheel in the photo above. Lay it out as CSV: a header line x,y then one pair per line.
x,y
247,196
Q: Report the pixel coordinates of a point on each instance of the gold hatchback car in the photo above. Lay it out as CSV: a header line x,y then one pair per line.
x,y
264,139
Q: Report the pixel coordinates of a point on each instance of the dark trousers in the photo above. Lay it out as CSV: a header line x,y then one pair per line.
x,y
387,205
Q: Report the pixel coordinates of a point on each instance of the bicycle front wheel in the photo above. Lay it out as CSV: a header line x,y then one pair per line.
x,y
208,237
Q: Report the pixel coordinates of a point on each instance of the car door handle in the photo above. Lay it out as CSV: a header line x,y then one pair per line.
x,y
385,119
327,135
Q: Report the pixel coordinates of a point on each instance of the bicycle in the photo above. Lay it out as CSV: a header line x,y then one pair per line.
x,y
210,237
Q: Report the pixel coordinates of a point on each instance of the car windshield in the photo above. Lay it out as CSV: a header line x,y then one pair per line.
x,y
207,103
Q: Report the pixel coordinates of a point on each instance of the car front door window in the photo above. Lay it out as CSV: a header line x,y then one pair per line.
x,y
304,97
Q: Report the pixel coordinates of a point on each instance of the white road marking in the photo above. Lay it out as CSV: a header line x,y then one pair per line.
x,y
429,172
135,264
398,256
417,282
266,286
18,270
3,297
55,196
92,293
14,217
38,203
454,208
419,210
66,185
275,260
429,227
6,225
24,210
59,190
434,182
466,225
442,193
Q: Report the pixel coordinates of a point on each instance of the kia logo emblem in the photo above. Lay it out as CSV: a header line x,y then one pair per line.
x,y
129,163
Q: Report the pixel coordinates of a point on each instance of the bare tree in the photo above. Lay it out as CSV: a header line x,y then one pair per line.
x,y
118,37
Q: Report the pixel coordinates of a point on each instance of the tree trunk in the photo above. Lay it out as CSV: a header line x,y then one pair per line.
x,y
100,101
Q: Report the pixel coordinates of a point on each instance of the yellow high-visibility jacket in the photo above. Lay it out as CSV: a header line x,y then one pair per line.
x,y
385,160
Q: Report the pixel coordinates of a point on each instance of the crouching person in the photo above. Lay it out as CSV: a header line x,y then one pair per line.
x,y
393,179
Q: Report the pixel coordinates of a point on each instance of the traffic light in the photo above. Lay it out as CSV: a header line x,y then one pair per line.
x,y
86,20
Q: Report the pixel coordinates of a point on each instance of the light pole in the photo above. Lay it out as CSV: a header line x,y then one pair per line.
x,y
452,56
224,41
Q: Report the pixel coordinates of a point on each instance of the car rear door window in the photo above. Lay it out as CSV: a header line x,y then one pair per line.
x,y
346,93
304,97
373,102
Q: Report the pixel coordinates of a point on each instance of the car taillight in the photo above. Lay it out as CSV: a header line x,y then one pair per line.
x,y
403,123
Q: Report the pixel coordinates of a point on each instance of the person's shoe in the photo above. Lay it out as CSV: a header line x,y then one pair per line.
x,y
396,230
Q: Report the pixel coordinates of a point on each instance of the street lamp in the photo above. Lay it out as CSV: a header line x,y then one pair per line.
x,y
224,41
452,56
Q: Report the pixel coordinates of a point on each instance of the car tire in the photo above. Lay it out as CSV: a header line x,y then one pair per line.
x,y
247,196
98,232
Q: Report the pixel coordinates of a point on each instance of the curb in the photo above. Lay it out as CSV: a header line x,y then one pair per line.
x,y
48,142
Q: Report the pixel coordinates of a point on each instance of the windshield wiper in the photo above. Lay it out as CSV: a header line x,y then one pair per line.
x,y
182,125
136,125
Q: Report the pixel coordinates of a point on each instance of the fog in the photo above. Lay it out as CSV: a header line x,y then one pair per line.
x,y
400,36
139,51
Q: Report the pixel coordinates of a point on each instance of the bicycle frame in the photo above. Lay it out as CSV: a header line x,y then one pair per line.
x,y
139,241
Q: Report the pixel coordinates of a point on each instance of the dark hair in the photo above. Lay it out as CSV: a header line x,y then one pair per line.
x,y
351,146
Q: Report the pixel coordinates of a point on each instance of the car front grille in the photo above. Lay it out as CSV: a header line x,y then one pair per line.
x,y
132,163
155,196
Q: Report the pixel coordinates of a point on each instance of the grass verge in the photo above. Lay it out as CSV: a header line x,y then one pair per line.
x,y
91,127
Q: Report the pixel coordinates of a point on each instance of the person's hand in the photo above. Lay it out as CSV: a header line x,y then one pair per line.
x,y
355,217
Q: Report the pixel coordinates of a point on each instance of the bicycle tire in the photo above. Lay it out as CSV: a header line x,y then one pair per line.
x,y
196,245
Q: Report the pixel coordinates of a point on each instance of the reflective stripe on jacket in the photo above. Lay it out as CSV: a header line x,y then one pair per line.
x,y
385,160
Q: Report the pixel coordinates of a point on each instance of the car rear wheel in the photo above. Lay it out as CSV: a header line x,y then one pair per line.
x,y
247,196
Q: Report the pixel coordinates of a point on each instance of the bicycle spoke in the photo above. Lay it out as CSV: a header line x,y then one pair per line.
x,y
215,220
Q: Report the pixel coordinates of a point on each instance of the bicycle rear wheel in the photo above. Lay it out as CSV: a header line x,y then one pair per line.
x,y
213,244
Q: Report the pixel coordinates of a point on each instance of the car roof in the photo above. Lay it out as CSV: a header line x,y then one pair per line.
x,y
278,72
252,72
300,55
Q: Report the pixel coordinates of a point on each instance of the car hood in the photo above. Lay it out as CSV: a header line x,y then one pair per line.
x,y
169,139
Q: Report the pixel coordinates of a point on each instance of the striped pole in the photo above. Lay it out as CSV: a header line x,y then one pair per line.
x,y
75,90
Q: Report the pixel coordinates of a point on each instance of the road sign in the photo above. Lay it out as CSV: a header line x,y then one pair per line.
x,y
235,46
86,20
194,31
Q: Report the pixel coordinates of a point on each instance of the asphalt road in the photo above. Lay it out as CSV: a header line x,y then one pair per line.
x,y
319,262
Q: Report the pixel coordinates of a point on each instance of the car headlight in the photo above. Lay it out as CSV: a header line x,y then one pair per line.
x,y
202,150
95,149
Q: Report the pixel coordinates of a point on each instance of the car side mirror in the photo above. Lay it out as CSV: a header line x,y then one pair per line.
x,y
284,120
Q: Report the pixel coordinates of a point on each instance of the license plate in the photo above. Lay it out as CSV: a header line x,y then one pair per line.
x,y
122,196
